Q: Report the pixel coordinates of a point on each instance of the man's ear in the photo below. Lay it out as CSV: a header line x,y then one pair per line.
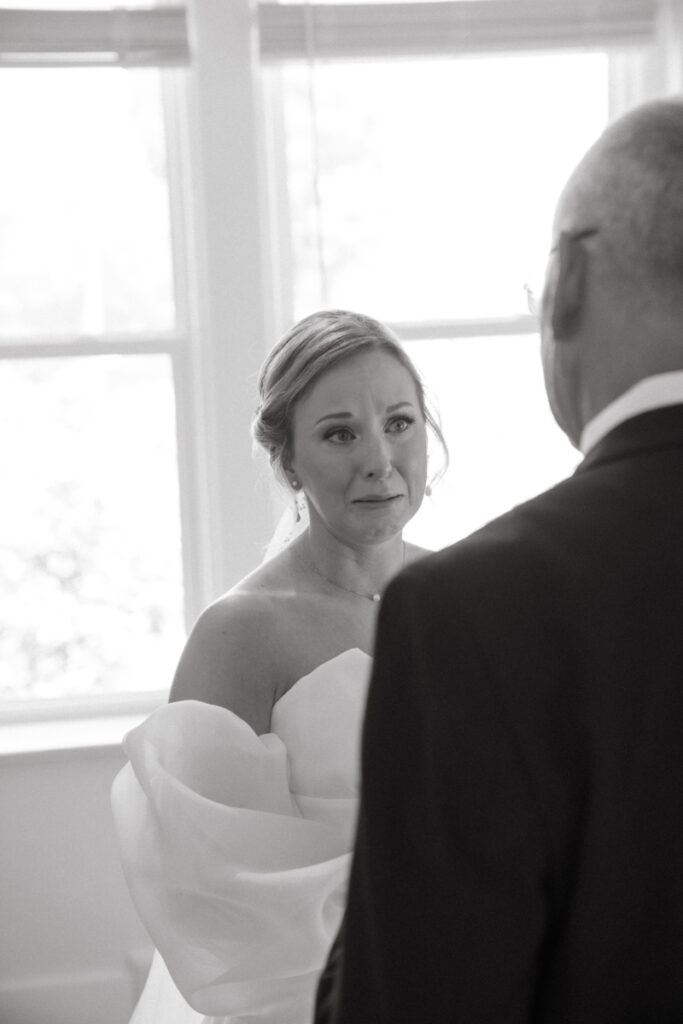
x,y
570,286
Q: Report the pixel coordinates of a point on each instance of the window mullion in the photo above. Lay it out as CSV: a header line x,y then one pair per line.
x,y
482,327
670,46
125,345
230,308
342,31
154,37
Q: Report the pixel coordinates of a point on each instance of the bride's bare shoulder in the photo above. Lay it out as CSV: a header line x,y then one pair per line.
x,y
233,656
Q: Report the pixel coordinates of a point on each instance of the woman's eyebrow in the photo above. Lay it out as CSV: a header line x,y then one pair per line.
x,y
349,415
334,416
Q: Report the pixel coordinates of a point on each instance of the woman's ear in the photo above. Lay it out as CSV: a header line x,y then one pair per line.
x,y
570,286
292,478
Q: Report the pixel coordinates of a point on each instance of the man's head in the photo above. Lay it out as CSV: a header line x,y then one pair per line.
x,y
612,308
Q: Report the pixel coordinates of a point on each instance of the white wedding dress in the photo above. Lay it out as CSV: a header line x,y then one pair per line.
x,y
236,848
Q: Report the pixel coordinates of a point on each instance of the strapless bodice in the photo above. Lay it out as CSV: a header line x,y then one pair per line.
x,y
236,847
319,722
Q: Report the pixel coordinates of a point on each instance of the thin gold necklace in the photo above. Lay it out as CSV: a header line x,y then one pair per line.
x,y
311,568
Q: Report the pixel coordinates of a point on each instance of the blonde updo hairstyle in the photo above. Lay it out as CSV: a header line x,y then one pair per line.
x,y
309,349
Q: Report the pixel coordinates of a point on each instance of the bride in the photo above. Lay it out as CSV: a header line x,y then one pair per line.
x,y
236,812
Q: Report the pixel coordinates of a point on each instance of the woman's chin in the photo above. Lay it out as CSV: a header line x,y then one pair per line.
x,y
377,529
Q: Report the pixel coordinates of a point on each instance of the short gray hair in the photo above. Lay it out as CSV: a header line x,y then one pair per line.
x,y
631,184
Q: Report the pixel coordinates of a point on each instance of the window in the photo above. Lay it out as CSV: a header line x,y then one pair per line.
x,y
130,497
422,169
168,210
90,559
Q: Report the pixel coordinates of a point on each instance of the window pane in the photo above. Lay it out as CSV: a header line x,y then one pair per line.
x,y
84,209
504,444
422,189
90,566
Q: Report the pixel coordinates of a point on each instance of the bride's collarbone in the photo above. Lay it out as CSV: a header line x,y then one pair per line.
x,y
327,621
287,632
309,640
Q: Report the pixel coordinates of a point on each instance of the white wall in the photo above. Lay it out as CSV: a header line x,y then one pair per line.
x,y
72,950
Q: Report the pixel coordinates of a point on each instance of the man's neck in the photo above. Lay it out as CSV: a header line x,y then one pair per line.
x,y
650,393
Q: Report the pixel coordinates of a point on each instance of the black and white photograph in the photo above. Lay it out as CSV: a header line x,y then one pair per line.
x,y
341,512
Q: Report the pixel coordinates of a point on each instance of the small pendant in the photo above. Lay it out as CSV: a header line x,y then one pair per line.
x,y
376,597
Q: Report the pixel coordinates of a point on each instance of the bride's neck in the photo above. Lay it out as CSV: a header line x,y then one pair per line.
x,y
367,567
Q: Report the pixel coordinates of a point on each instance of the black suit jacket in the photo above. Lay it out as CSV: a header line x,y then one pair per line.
x,y
520,846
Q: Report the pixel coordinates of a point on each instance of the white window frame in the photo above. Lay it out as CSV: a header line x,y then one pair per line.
x,y
645,38
232,257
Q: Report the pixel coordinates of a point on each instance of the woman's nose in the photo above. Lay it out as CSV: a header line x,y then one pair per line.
x,y
377,464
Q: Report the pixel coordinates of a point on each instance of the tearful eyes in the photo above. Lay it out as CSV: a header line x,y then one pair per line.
x,y
340,435
400,424
344,435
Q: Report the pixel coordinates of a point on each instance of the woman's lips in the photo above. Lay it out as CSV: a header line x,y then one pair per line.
x,y
377,499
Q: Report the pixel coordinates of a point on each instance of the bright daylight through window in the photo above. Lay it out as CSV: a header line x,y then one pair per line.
x,y
413,182
421,191
90,576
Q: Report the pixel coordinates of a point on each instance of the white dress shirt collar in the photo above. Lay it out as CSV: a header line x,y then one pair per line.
x,y
650,393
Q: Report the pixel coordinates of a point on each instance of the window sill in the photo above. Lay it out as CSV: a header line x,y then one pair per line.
x,y
66,729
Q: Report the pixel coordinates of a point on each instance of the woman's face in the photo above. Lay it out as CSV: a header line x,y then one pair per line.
x,y
359,447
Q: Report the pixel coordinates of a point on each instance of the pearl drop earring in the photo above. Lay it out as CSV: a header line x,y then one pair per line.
x,y
428,490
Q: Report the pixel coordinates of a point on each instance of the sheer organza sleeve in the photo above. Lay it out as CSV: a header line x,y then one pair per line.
x,y
241,891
